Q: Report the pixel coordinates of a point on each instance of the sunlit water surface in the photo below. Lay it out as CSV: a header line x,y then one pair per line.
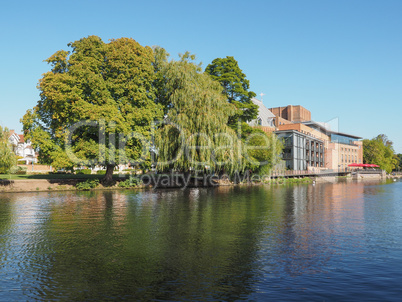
x,y
323,242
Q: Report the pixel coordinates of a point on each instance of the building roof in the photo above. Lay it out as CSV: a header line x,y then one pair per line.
x,y
264,114
325,128
299,133
263,111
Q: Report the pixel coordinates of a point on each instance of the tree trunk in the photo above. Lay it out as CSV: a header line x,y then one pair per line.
x,y
108,179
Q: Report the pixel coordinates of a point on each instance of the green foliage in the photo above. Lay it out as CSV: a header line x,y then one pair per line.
x,y
398,158
262,150
130,182
108,88
195,132
101,172
235,87
380,151
88,184
17,170
84,171
8,159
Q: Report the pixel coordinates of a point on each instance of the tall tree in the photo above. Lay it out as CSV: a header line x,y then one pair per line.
x,y
194,133
7,156
262,150
398,166
95,95
380,151
235,87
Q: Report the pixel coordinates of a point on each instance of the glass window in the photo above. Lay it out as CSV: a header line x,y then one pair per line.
x,y
342,139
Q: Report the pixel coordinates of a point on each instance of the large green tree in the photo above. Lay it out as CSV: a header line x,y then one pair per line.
x,y
398,166
235,87
96,105
380,151
194,133
262,150
7,157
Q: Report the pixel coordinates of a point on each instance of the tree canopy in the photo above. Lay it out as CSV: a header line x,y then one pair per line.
x,y
7,157
112,103
194,133
235,87
380,151
262,150
96,105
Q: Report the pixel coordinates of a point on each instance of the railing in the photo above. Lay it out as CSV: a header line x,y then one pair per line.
x,y
305,172
368,172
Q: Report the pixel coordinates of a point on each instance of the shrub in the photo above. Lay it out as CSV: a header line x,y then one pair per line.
x,y
88,184
84,171
130,182
19,170
101,172
58,172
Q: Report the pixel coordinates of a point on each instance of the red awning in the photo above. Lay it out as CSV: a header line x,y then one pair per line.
x,y
355,165
364,165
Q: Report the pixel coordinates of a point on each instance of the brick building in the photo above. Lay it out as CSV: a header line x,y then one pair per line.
x,y
291,114
341,149
309,144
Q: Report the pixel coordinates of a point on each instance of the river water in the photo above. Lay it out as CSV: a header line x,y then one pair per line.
x,y
323,242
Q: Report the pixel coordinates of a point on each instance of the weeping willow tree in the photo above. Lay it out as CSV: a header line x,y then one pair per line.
x,y
7,156
194,133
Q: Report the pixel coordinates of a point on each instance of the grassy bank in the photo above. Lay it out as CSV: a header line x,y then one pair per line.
x,y
57,176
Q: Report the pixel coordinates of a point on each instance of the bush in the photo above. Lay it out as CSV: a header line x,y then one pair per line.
x,y
130,182
21,172
18,170
84,171
88,184
101,172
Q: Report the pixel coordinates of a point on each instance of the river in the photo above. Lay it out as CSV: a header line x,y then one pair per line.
x,y
323,242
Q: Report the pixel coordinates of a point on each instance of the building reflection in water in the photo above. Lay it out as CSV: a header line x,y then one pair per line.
x,y
314,221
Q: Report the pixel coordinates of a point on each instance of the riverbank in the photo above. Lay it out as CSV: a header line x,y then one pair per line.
x,y
66,182
74,182
41,185
60,182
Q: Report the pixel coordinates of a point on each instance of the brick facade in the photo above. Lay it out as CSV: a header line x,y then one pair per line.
x,y
292,113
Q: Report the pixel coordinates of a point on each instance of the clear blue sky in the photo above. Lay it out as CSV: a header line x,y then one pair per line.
x,y
339,59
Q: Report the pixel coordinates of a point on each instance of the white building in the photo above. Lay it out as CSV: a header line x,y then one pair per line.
x,y
22,148
265,117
